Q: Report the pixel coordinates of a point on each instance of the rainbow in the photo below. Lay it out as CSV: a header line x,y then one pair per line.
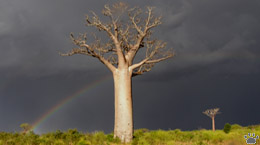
x,y
67,100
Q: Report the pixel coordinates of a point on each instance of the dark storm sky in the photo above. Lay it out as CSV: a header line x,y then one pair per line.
x,y
217,64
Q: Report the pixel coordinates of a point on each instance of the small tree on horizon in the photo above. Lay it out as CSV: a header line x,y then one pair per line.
x,y
212,113
26,127
128,32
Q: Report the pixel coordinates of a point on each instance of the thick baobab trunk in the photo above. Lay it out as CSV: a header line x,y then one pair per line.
x,y
123,105
213,123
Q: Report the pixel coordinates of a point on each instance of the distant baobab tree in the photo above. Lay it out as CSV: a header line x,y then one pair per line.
x,y
212,113
128,32
26,127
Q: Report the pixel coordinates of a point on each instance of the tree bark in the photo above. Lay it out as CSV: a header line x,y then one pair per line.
x,y
213,123
123,127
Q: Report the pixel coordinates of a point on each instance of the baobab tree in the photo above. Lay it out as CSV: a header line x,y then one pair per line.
x,y
127,31
212,113
26,127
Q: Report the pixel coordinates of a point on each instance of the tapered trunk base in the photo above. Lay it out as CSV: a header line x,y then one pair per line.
x,y
125,137
123,128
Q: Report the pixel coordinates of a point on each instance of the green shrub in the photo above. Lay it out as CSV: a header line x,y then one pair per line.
x,y
110,138
10,142
58,134
188,136
236,126
59,142
217,138
227,128
206,135
141,137
255,127
98,138
82,141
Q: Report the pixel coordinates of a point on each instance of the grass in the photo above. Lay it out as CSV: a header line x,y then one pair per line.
x,y
141,137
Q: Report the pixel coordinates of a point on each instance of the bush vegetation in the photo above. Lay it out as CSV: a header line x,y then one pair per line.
x,y
141,137
227,128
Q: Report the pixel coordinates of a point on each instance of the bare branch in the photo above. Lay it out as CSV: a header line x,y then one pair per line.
x,y
98,24
156,21
146,66
142,69
86,49
126,38
150,23
133,16
150,56
114,13
93,54
211,112
124,41
158,60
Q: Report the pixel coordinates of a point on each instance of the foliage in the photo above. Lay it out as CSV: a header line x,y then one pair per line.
x,y
26,127
236,126
141,137
227,128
